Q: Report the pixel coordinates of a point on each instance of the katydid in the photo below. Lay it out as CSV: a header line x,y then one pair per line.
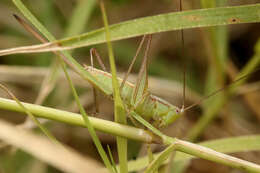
x,y
158,111
153,109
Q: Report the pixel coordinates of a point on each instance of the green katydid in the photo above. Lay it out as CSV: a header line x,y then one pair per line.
x,y
158,111
137,98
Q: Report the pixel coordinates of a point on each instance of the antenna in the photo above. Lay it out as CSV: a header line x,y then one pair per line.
x,y
220,89
184,66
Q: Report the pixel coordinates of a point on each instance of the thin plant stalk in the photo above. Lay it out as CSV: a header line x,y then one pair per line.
x,y
119,110
33,118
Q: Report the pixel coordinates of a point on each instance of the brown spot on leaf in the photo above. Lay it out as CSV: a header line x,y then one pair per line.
x,y
192,18
234,20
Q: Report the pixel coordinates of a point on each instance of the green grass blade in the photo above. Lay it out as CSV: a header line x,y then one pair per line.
x,y
91,129
148,125
249,67
164,22
80,17
28,112
156,163
119,111
151,157
226,145
49,36
112,159
168,22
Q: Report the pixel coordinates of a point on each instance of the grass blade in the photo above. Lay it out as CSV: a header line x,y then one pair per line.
x,y
226,145
164,22
155,164
80,17
148,125
119,110
112,159
36,121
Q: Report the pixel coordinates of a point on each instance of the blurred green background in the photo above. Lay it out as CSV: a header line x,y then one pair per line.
x,y
24,73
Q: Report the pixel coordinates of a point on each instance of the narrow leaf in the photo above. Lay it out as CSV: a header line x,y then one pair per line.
x,y
33,118
119,111
154,24
226,145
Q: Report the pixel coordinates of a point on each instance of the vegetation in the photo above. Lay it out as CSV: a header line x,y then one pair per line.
x,y
221,104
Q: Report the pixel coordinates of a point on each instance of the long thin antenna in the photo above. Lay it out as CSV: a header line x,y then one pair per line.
x,y
219,90
30,29
133,61
184,66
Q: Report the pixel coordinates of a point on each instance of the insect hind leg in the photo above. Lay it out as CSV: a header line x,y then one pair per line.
x,y
94,53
